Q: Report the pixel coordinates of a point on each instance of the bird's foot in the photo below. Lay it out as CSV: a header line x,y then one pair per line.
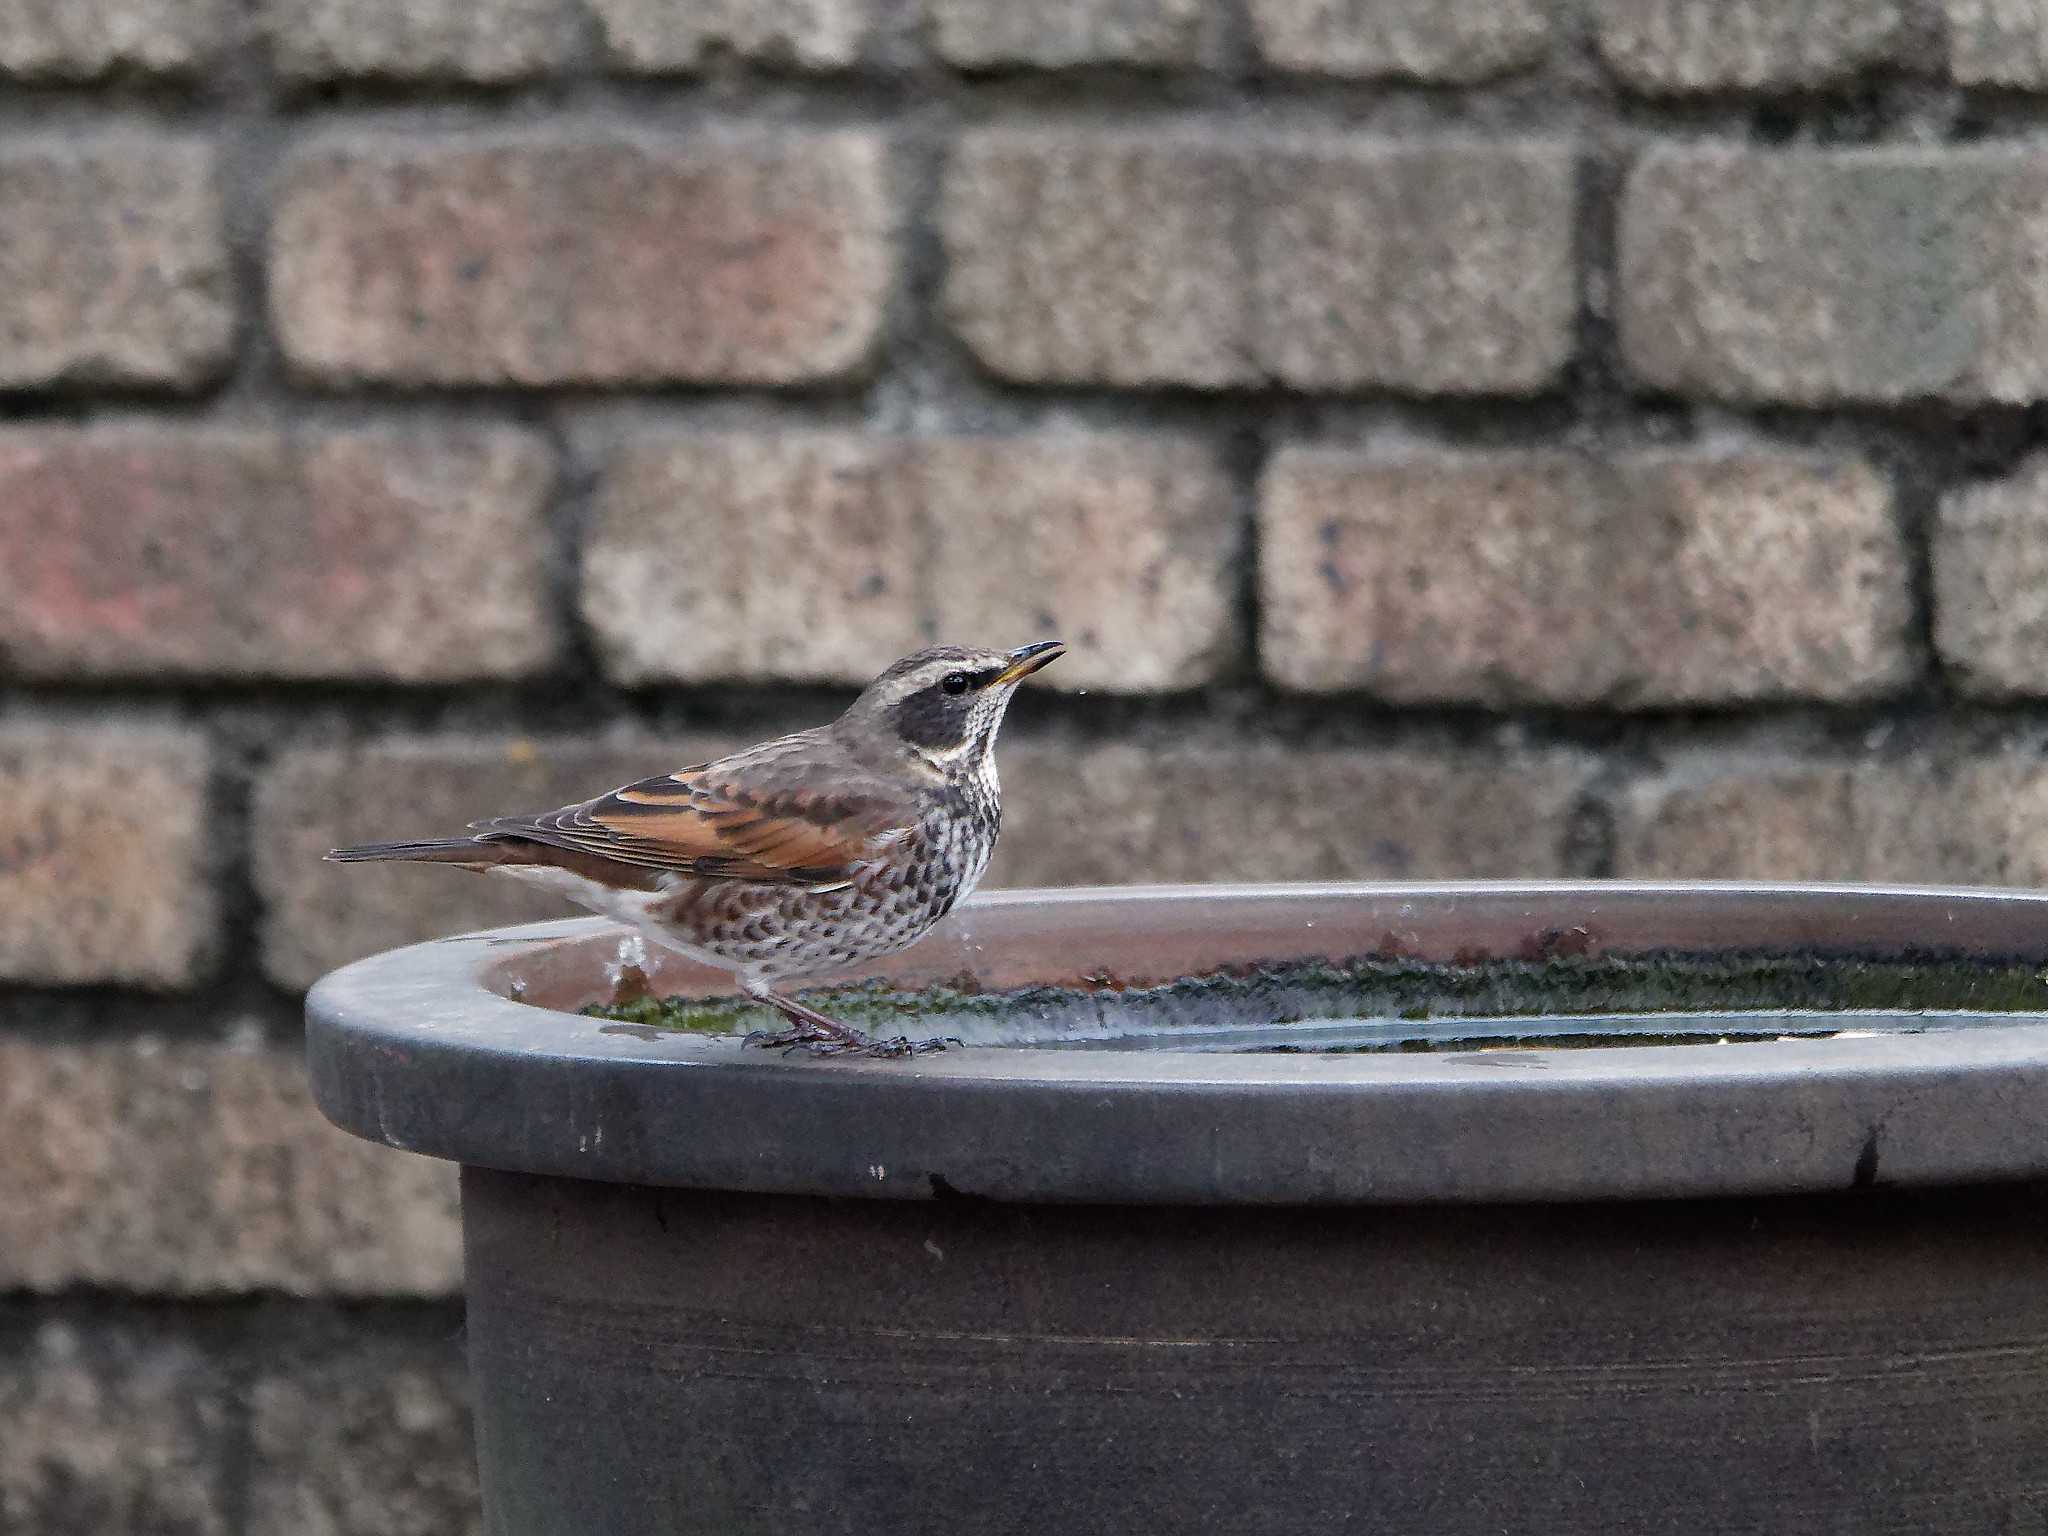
x,y
786,1040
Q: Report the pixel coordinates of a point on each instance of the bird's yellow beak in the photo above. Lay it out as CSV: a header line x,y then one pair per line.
x,y
1027,659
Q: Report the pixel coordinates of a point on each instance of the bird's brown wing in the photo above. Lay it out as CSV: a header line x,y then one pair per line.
x,y
786,813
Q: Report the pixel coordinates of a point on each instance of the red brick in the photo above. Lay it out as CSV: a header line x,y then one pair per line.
x,y
1974,820
319,915
1991,583
113,263
415,556
1065,34
655,37
1318,263
104,870
488,41
1124,546
1119,815
470,260
1658,578
1438,40
77,40
202,1168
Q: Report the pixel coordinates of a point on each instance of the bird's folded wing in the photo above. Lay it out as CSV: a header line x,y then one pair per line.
x,y
718,820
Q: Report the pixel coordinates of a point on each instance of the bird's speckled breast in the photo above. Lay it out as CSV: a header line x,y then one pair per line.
x,y
772,931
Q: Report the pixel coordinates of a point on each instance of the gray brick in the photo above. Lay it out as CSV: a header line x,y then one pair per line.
x,y
748,259
1437,40
487,41
197,1169
113,263
319,915
415,556
1998,42
104,1433
1651,579
1064,34
1991,583
1672,47
1120,815
658,37
1319,264
80,40
1822,276
1123,546
1099,259
1979,820
372,1443
104,870
1436,268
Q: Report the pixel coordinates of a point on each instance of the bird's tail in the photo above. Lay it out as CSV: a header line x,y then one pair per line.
x,y
429,850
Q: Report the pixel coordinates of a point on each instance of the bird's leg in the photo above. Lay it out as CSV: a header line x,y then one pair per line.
x,y
824,1035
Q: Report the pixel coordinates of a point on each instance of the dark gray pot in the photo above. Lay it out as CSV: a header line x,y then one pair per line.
x,y
1788,1285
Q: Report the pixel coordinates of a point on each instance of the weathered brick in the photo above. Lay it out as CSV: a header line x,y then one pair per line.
x,y
110,1434
1991,583
1120,815
77,40
138,551
319,915
199,1168
1437,268
1679,46
1820,276
113,263
486,41
1116,259
372,1443
1438,40
749,259
1979,820
1063,34
1123,546
104,874
1651,579
1099,259
1998,42
657,37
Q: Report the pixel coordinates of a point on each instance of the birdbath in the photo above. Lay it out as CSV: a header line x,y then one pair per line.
x,y
1458,1208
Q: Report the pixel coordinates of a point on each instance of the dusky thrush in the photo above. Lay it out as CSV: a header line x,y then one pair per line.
x,y
794,858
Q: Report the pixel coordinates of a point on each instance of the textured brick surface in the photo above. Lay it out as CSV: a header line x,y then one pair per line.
x,y
660,37
1118,815
318,915
1654,579
1322,264
198,1168
1437,268
481,40
1991,583
1981,820
1676,46
106,1434
88,39
373,1443
1123,546
1445,40
750,259
1056,34
1811,277
1998,42
418,556
113,263
104,869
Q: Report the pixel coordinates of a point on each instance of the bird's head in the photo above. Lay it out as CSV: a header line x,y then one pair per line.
x,y
946,703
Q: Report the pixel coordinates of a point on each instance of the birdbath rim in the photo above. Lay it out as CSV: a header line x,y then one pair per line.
x,y
429,1049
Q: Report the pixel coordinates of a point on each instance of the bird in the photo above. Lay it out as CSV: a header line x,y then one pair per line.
x,y
796,857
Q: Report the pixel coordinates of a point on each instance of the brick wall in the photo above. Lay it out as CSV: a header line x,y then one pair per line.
x,y
1460,437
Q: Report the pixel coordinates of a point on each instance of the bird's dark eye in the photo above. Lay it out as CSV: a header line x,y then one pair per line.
x,y
954,682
